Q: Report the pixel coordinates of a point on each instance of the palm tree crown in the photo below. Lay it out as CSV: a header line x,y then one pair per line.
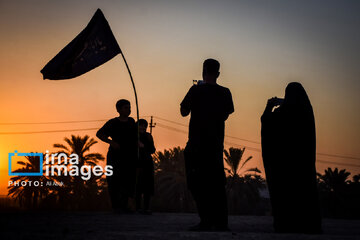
x,y
80,145
233,158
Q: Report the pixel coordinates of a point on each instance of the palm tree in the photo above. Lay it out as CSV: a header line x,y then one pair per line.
x,y
171,191
80,146
334,180
334,189
28,196
75,188
242,188
356,178
233,158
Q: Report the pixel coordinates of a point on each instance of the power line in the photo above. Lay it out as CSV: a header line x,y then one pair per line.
x,y
256,149
242,139
246,147
53,131
171,128
166,120
338,156
185,132
256,142
159,124
57,122
184,125
49,131
336,163
38,123
226,142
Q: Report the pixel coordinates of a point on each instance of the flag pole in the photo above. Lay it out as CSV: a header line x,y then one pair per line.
x,y
133,84
137,114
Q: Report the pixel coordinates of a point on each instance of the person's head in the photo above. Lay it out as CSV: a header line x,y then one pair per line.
x,y
295,95
211,70
143,124
123,107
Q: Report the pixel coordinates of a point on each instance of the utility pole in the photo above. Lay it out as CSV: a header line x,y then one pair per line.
x,y
152,125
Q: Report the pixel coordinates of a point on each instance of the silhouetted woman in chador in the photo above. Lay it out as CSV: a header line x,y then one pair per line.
x,y
288,149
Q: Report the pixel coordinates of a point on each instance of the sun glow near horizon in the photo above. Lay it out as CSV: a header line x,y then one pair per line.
x,y
261,47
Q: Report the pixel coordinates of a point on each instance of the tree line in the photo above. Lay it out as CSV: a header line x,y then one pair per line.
x,y
246,188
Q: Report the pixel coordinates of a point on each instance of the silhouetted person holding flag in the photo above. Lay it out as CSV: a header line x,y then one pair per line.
x,y
145,176
288,149
92,47
210,105
121,134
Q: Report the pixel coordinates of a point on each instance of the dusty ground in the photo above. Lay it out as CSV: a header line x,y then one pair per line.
x,y
106,225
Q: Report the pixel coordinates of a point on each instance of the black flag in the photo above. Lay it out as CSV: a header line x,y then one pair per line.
x,y
94,46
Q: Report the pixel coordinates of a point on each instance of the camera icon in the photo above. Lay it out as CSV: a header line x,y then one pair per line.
x,y
15,153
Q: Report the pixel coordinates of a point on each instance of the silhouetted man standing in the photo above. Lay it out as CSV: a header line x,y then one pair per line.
x,y
210,105
121,134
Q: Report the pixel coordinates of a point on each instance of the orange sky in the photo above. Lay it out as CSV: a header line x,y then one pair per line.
x,y
261,47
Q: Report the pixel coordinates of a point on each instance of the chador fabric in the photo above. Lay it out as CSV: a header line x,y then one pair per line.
x,y
288,150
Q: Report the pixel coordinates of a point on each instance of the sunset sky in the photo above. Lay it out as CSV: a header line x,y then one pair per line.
x,y
261,46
